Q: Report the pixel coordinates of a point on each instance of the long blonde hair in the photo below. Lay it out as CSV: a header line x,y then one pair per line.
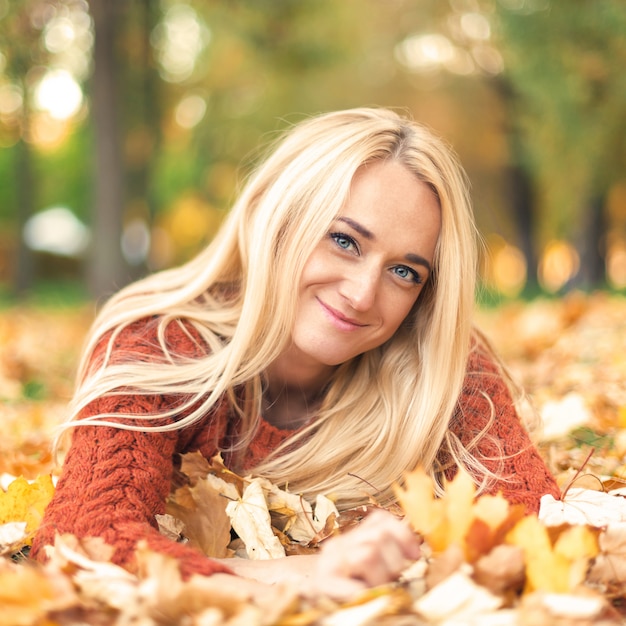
x,y
387,410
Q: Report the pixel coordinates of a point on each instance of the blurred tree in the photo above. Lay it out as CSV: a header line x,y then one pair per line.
x,y
107,270
528,91
126,116
43,163
565,67
19,43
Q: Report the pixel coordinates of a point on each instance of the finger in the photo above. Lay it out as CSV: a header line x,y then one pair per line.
x,y
390,528
366,556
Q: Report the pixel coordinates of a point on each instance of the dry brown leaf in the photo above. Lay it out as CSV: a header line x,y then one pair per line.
x,y
250,518
443,565
194,466
171,527
608,571
202,510
226,599
502,570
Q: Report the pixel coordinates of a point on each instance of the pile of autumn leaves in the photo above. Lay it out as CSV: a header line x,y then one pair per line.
x,y
483,562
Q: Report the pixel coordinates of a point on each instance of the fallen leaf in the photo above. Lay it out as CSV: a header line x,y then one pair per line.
x,y
250,518
425,512
559,568
202,509
26,502
27,595
171,527
608,570
583,506
457,599
581,609
13,536
502,570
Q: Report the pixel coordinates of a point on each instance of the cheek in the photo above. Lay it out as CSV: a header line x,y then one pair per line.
x,y
315,270
397,310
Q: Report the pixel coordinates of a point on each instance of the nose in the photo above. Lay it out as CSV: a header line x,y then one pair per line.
x,y
360,288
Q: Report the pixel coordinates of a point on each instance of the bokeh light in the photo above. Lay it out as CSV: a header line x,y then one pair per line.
x,y
475,26
616,264
136,241
59,94
505,268
425,52
58,231
179,40
190,111
558,265
11,99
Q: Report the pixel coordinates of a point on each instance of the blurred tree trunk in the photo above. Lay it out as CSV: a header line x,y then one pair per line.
x,y
522,205
25,264
142,121
21,52
107,270
591,247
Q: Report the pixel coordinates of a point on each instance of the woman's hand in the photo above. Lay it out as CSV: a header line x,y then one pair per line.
x,y
373,553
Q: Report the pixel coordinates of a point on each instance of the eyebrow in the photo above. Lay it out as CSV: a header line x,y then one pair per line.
x,y
368,234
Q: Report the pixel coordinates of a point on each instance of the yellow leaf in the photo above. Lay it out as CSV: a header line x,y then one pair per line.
x,y
578,544
493,510
26,502
459,499
557,569
426,513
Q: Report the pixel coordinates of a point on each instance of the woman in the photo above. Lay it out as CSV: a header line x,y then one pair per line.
x,y
323,340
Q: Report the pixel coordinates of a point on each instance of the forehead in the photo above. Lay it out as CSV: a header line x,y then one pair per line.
x,y
394,206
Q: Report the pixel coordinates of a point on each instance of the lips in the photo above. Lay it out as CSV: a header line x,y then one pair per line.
x,y
338,319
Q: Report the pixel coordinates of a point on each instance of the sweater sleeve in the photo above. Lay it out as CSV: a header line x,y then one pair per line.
x,y
114,482
486,422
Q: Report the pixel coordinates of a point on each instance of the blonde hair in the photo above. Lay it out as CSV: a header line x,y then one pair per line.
x,y
387,410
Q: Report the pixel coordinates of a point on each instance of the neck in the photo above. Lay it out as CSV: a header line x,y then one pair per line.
x,y
292,371
293,392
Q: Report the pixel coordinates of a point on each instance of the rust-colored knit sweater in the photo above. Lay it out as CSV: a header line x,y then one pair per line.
x,y
115,481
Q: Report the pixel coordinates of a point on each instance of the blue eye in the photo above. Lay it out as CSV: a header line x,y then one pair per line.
x,y
345,242
406,273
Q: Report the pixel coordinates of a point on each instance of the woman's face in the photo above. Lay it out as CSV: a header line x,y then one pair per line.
x,y
364,277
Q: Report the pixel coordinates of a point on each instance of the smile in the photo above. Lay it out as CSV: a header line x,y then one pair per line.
x,y
338,320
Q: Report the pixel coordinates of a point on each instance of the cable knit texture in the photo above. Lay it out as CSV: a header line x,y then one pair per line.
x,y
114,482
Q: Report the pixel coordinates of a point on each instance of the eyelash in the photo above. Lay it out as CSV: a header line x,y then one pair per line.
x,y
336,236
415,277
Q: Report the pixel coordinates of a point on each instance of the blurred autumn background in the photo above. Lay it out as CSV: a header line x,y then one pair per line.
x,y
126,127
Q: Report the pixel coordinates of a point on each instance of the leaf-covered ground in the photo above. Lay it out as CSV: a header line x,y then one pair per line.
x,y
491,568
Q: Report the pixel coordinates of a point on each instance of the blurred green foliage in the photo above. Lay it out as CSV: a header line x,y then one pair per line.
x,y
530,92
